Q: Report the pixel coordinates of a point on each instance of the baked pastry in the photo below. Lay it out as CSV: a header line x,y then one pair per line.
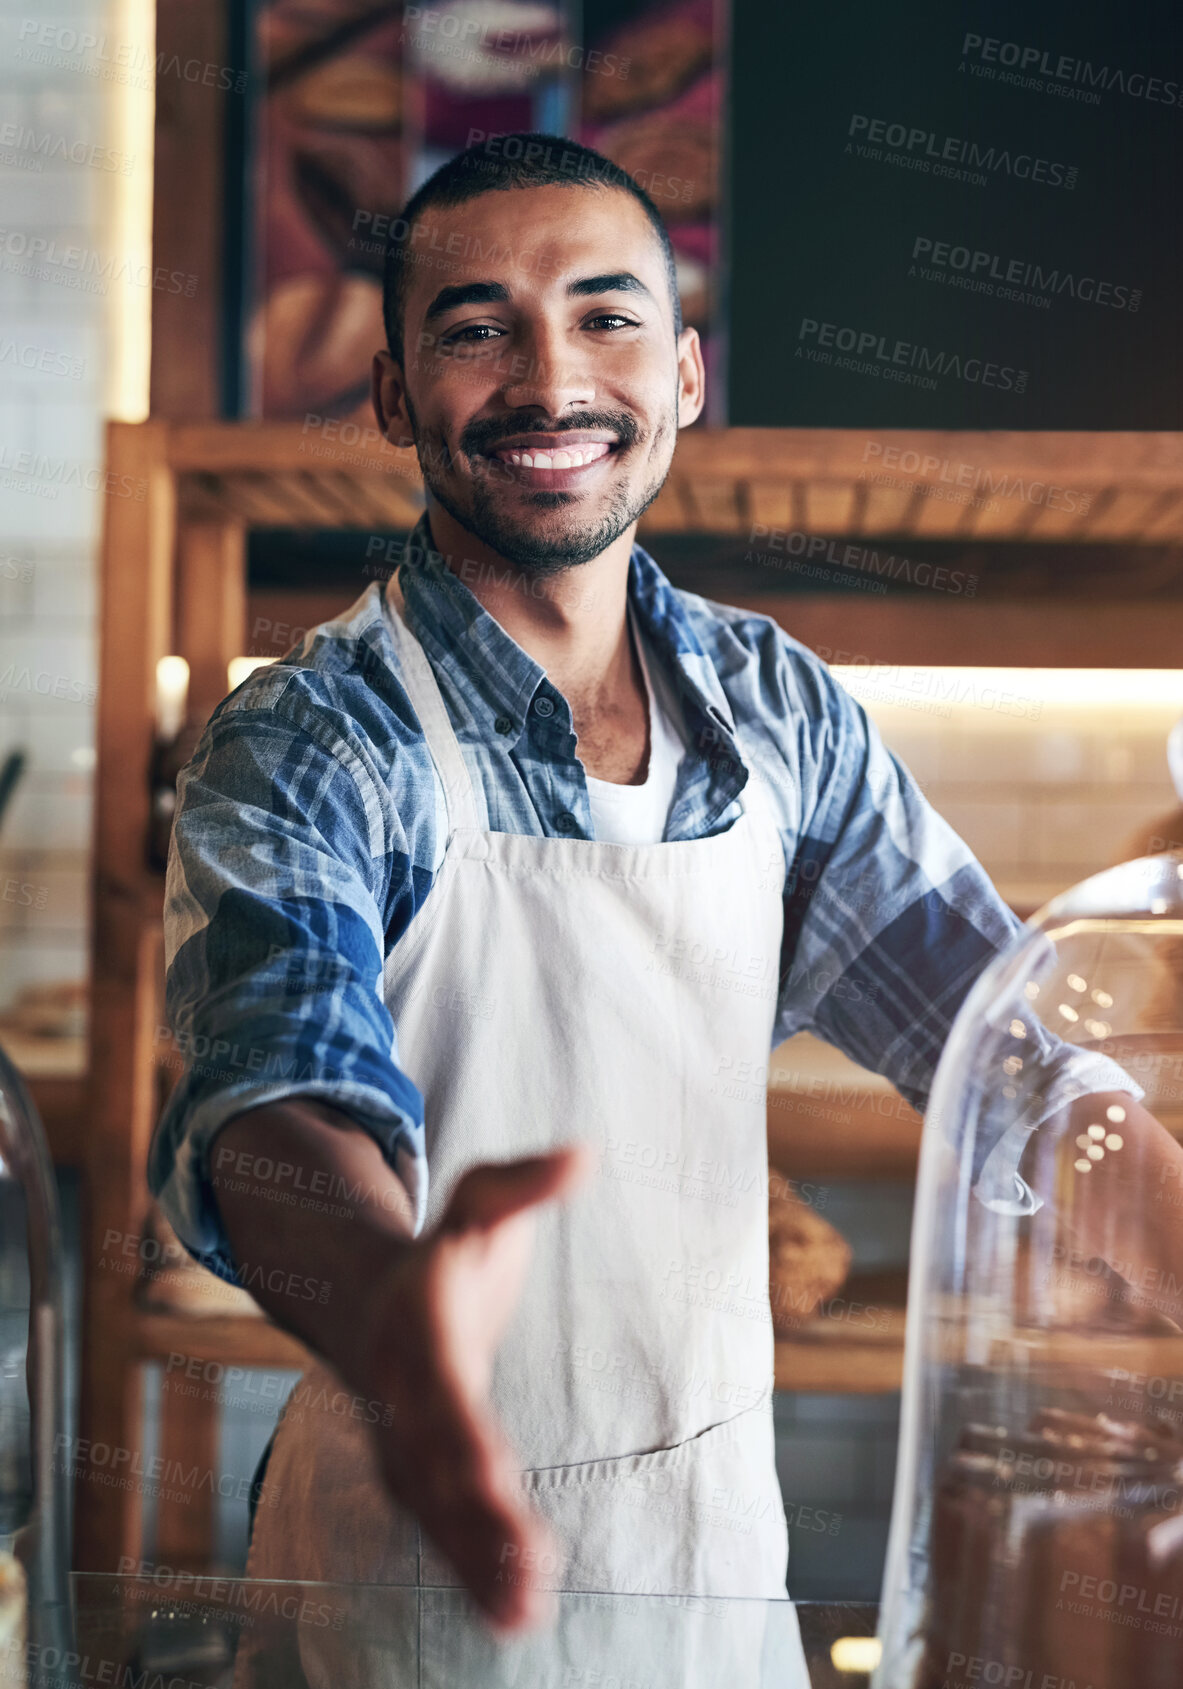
x,y
346,186
357,92
671,156
289,29
807,1259
664,53
316,335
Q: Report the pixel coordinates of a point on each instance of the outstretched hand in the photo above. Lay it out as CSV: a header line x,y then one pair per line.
x,y
430,1329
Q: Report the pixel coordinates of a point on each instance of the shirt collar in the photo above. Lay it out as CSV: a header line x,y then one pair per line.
x,y
502,679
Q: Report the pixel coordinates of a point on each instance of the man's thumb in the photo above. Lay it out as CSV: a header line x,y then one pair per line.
x,y
495,1190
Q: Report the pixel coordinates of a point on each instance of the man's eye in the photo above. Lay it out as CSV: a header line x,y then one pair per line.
x,y
461,336
612,317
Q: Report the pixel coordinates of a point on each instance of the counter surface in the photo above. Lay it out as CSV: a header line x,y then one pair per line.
x,y
173,1631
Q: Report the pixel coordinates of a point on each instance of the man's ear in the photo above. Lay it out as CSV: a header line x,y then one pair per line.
x,y
388,394
692,378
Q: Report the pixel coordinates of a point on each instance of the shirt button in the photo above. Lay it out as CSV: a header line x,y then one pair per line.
x,y
543,707
565,822
503,724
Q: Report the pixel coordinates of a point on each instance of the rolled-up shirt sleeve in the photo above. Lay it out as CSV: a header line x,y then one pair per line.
x,y
274,948
889,922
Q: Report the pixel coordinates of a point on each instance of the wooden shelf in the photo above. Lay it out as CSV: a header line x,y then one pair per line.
x,y
855,1347
842,482
837,1139
236,1339
851,1352
830,1118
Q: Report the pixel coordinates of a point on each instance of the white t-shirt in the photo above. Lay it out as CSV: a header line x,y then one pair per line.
x,y
637,814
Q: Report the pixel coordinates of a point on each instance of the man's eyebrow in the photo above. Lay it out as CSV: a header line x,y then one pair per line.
x,y
496,293
466,293
619,281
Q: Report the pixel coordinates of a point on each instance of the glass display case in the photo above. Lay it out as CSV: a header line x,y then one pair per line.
x,y
159,1629
35,1600
1037,1530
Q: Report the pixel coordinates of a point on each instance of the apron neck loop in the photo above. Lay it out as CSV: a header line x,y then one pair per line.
x,y
427,701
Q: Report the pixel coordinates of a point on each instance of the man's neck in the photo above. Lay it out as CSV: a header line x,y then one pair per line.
x,y
572,623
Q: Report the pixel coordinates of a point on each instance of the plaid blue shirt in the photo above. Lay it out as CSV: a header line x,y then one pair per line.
x,y
310,828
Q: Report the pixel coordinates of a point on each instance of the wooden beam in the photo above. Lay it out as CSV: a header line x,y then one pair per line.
x,y
211,608
188,209
135,630
943,459
1024,635
188,1443
63,1106
312,445
236,1339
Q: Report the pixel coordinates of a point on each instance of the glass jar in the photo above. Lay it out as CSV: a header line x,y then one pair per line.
x,y
1037,1528
36,1619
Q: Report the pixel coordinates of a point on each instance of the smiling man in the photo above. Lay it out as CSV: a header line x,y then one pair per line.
x,y
505,884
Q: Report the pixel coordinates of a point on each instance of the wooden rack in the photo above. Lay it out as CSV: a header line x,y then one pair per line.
x,y
181,500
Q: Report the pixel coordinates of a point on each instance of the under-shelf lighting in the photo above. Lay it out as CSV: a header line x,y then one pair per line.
x,y
172,696
129,214
856,1653
1011,691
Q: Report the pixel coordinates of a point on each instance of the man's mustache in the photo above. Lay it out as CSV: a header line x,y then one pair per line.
x,y
482,438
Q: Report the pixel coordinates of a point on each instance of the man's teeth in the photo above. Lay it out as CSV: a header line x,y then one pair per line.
x,y
572,458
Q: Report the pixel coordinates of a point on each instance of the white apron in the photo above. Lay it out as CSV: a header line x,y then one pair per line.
x,y
550,990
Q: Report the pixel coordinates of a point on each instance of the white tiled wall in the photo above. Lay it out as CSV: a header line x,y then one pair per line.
x,y
51,102
1044,800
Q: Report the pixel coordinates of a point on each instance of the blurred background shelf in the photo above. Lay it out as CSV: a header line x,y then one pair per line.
x,y
236,1340
856,1344
45,1060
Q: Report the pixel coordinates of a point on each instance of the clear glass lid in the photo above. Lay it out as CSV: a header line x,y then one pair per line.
x,y
1037,1531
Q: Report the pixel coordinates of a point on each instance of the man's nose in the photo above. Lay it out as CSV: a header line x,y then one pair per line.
x,y
546,371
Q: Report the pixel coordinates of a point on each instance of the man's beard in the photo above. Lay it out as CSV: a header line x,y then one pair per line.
x,y
538,556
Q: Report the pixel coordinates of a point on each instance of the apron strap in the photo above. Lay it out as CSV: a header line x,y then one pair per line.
x,y
428,703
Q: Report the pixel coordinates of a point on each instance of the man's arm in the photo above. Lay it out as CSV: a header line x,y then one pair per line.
x,y
409,1324
1125,1209
888,916
889,921
291,873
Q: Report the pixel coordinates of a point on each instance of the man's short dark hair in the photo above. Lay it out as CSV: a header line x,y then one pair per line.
x,y
496,165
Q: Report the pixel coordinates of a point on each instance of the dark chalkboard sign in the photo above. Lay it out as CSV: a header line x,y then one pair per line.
x,y
956,216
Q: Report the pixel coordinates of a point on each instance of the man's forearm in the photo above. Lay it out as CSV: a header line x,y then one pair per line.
x,y
1127,1209
308,1200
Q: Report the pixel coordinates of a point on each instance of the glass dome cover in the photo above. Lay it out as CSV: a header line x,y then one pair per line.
x,y
1037,1527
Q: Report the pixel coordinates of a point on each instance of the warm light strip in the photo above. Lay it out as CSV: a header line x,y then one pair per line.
x,y
172,695
1081,688
127,237
856,1653
239,668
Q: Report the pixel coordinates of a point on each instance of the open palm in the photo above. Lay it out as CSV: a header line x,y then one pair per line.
x,y
433,1326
